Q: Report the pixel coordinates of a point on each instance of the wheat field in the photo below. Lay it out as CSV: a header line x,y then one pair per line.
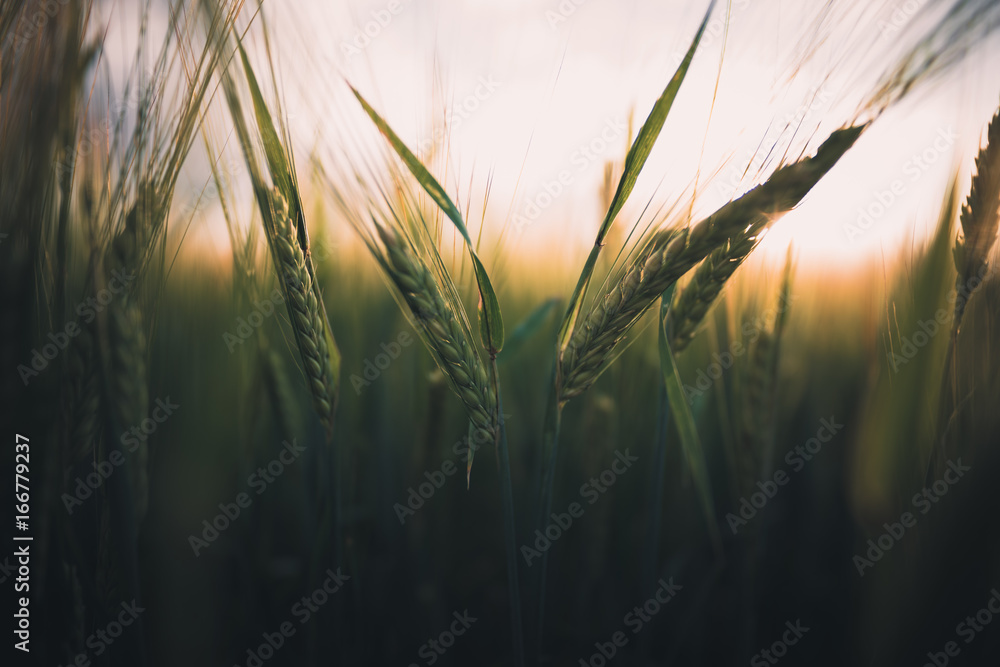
x,y
290,381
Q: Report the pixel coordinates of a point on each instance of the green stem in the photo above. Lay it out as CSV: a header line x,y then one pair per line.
x,y
687,430
550,451
656,492
947,408
510,533
123,523
649,560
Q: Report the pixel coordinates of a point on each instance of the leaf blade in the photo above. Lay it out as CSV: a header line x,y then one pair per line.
x,y
416,167
273,151
650,132
634,163
490,317
528,327
686,428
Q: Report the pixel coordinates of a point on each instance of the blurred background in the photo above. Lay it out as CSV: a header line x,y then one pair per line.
x,y
233,515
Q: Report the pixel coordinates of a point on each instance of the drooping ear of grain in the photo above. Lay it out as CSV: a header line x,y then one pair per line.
x,y
82,400
305,312
491,327
286,234
81,413
129,382
669,254
691,305
442,332
980,218
130,386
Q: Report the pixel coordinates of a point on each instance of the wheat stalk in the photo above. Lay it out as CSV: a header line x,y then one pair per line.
x,y
593,342
129,385
83,398
128,381
670,254
691,305
760,391
442,331
755,421
980,218
305,311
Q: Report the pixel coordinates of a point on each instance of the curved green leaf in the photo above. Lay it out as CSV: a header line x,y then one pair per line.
x,y
281,172
528,327
634,162
490,318
686,427
281,176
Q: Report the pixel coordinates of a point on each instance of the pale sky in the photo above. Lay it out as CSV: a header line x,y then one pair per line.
x,y
540,91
